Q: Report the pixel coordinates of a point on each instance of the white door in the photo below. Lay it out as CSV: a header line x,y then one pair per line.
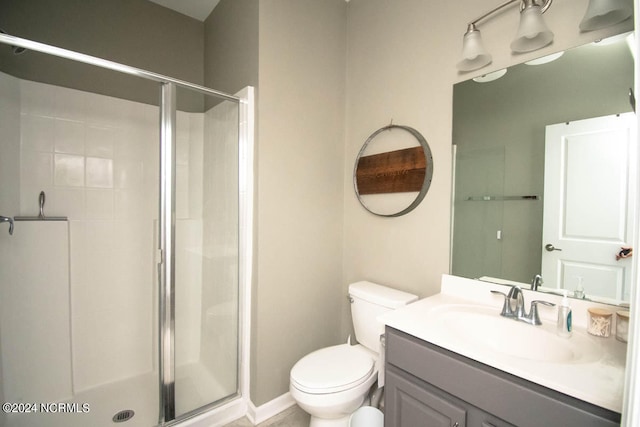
x,y
589,204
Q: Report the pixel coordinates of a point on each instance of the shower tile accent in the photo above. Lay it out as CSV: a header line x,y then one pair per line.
x,y
38,99
69,136
99,204
37,133
99,172
72,105
68,200
100,141
68,170
36,169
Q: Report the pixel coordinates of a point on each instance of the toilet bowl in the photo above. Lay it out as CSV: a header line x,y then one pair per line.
x,y
332,383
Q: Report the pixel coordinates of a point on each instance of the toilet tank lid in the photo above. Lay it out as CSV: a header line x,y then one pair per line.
x,y
381,295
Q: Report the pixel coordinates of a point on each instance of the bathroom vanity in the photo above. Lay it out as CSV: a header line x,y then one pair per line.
x,y
427,385
451,360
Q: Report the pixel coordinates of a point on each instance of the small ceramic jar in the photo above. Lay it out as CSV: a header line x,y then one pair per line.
x,y
622,325
600,321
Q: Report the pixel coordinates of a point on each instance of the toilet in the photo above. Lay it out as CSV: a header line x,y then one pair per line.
x,y
333,382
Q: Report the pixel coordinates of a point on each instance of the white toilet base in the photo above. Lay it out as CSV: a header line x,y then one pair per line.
x,y
324,422
333,409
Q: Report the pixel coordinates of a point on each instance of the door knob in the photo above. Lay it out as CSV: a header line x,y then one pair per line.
x,y
550,248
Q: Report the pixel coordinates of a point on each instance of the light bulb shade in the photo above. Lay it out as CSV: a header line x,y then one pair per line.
x,y
532,33
474,55
604,13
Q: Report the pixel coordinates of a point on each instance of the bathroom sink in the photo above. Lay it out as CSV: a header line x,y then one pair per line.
x,y
482,328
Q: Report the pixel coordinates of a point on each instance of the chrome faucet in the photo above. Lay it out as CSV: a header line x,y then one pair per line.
x,y
9,220
536,282
513,306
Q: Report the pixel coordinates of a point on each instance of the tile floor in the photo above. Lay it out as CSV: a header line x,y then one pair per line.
x,y
292,417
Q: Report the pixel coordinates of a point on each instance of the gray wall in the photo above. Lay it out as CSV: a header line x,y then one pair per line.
x,y
138,33
231,46
300,157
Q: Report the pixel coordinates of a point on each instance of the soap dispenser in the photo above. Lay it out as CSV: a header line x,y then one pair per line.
x,y
579,292
564,317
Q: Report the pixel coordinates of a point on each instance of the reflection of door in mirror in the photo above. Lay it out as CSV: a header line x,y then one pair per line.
x,y
589,205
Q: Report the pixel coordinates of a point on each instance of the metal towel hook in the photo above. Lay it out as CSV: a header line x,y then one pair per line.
x,y
41,204
10,221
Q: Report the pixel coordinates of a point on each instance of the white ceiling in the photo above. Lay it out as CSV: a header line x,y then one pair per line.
x,y
198,9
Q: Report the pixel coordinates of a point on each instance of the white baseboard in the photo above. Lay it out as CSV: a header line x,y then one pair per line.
x,y
262,413
220,416
239,408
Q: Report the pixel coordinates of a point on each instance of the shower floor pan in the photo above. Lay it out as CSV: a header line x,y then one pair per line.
x,y
196,386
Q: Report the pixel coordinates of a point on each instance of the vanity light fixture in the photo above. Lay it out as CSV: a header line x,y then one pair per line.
x,y
489,77
532,34
474,55
545,59
604,13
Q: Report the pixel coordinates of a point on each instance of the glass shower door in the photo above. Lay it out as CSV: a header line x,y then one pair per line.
x,y
206,252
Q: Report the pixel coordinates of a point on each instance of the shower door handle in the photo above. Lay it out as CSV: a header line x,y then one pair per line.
x,y
10,221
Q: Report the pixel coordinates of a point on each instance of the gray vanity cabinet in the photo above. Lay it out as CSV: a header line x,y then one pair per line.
x,y
411,402
428,386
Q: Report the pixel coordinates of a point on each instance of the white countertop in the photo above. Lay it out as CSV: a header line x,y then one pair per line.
x,y
597,378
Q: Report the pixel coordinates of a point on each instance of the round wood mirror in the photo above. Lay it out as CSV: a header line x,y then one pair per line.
x,y
393,171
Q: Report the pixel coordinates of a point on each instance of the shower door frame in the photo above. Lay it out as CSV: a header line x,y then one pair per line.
x,y
166,250
166,255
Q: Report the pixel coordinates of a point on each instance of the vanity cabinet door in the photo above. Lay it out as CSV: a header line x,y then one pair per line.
x,y
479,418
486,394
412,403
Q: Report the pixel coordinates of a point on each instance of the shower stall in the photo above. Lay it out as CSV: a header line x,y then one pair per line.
x,y
125,280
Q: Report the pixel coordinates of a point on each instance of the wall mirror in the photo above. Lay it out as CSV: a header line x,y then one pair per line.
x,y
544,180
393,171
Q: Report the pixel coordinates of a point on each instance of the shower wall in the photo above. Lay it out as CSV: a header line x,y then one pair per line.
x,y
96,158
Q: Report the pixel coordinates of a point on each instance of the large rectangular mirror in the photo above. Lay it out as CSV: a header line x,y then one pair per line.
x,y
545,173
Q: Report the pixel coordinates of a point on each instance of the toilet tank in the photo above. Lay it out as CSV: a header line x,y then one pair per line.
x,y
368,301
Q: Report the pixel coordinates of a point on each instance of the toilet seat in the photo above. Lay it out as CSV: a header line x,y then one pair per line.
x,y
332,369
